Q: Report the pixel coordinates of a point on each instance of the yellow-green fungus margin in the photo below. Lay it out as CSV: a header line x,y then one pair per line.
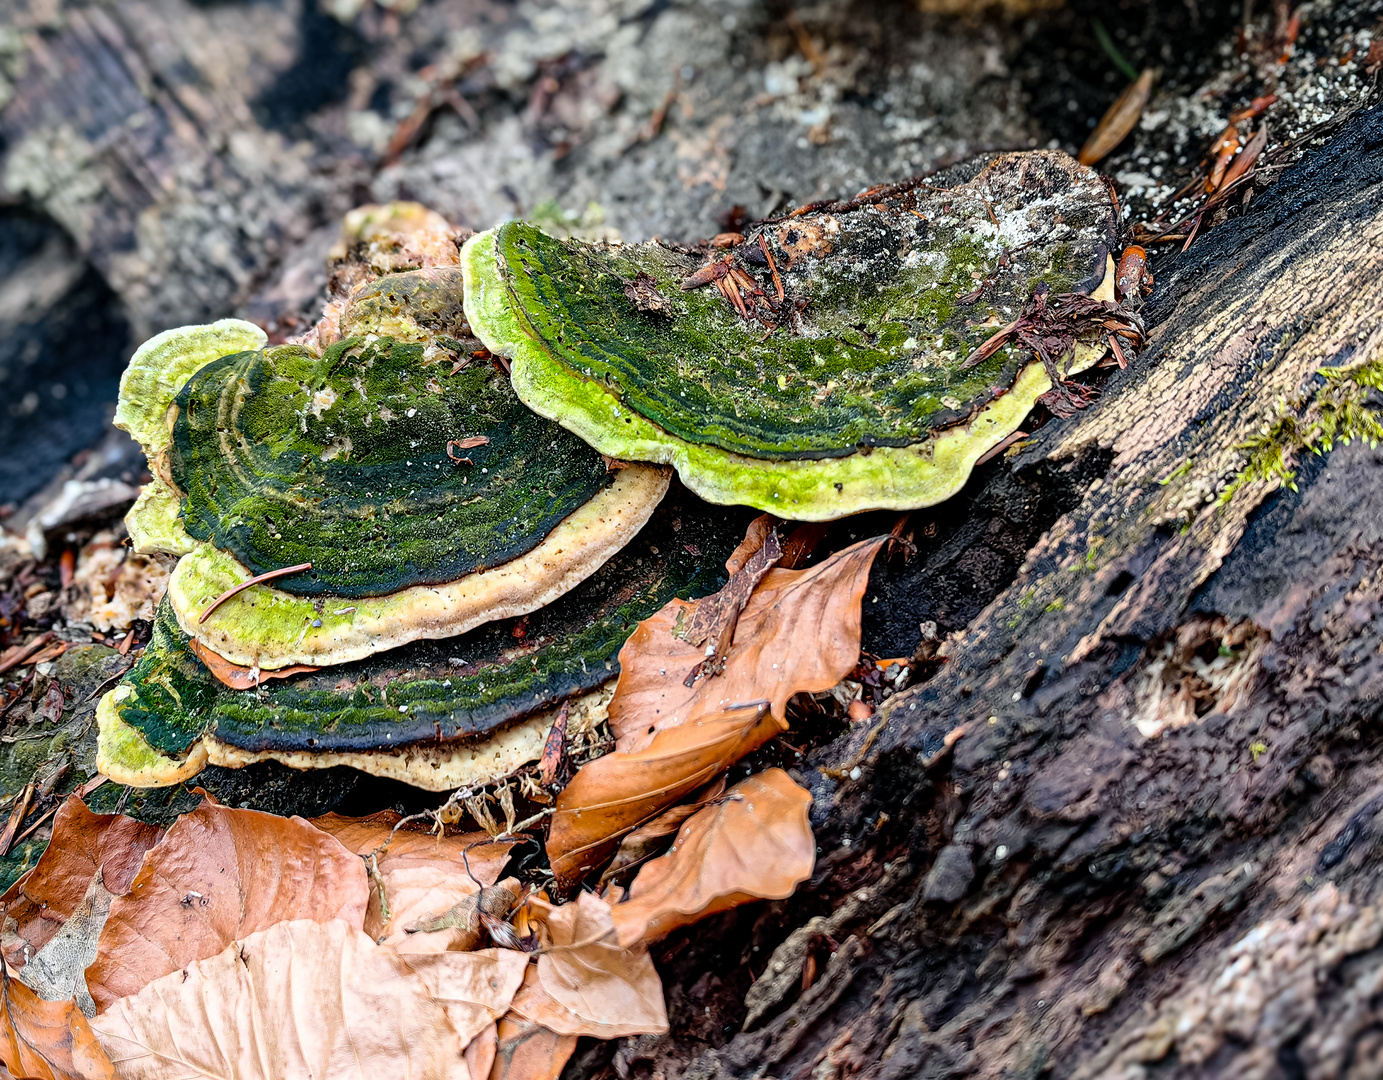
x,y
424,711
841,386
155,374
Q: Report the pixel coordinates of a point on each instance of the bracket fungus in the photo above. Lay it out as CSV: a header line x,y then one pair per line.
x,y
437,715
347,460
817,367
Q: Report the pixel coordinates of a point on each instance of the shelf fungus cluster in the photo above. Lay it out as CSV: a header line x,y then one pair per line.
x,y
359,525
399,551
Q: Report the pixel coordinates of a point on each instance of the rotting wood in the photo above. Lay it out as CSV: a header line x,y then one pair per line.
x,y
1203,902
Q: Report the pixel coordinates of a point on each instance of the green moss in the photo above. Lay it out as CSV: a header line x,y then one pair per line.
x,y
1338,412
346,460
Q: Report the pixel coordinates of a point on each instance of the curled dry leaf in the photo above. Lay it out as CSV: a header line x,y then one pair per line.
x,y
47,1040
218,875
1119,120
799,632
587,983
480,1054
422,874
647,841
82,843
529,1051
754,844
615,794
312,1000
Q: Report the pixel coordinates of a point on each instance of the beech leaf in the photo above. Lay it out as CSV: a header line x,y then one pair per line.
x,y
755,843
423,874
82,843
617,793
47,1040
529,1051
799,632
587,983
219,875
647,841
312,1000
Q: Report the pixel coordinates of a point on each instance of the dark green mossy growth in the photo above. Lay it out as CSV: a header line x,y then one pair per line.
x,y
172,690
349,461
458,688
882,301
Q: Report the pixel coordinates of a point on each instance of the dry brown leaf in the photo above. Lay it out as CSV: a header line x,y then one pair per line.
x,y
799,632
423,874
529,1051
47,1040
1119,120
755,843
600,987
617,793
480,1055
585,982
754,536
312,1000
82,843
647,841
236,676
218,875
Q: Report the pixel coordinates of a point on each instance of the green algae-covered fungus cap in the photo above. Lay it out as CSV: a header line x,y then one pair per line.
x,y
816,368
437,714
376,461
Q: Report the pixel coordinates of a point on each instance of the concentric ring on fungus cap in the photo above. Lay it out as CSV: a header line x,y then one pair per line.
x,y
817,368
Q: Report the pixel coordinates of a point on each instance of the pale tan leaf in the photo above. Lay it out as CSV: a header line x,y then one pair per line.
x,y
47,1040
467,924
423,874
529,1051
82,843
587,983
219,875
799,632
755,843
312,1000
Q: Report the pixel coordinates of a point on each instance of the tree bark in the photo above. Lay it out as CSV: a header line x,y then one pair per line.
x,y
1149,847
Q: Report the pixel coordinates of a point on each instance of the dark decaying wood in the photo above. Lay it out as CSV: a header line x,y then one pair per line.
x,y
1152,851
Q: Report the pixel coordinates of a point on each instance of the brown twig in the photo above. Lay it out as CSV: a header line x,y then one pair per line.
x,y
268,575
26,651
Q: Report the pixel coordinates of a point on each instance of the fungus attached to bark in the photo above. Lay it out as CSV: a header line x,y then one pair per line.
x,y
817,368
348,460
436,714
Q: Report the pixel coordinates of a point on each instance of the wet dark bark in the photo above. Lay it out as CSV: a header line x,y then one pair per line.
x,y
1152,852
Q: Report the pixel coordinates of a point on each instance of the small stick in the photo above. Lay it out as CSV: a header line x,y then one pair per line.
x,y
266,576
26,651
772,266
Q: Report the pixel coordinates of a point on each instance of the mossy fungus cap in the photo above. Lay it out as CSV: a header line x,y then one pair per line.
x,y
816,368
423,711
397,462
